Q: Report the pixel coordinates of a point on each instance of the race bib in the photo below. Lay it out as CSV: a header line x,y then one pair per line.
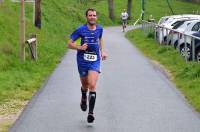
x,y
90,57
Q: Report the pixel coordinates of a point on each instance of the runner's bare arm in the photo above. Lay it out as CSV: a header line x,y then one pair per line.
x,y
103,53
72,45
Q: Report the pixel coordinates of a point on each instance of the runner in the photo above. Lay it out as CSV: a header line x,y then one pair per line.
x,y
89,55
124,17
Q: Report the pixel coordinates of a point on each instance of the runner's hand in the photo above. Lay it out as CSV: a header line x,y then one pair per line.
x,y
104,56
82,47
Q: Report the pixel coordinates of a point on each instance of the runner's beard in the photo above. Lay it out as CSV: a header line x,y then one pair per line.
x,y
91,23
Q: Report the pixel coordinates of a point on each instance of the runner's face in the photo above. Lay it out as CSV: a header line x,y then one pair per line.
x,y
91,17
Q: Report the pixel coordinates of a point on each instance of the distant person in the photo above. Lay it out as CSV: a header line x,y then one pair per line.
x,y
89,55
124,17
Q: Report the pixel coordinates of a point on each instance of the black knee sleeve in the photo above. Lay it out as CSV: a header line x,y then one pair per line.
x,y
92,99
84,93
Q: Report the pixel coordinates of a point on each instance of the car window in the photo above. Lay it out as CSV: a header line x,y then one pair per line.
x,y
196,27
177,25
173,24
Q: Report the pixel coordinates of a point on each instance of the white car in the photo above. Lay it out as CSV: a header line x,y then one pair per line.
x,y
170,22
168,18
162,32
192,28
173,36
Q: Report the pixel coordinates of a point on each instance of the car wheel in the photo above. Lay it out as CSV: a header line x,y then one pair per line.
x,y
198,55
169,43
185,52
175,44
165,40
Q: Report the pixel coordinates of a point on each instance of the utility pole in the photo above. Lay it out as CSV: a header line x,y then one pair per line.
x,y
22,32
143,9
38,13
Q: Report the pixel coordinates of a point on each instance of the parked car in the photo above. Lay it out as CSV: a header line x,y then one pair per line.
x,y
170,22
162,33
193,27
169,18
189,52
180,28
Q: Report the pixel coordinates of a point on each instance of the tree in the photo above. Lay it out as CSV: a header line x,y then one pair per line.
x,y
111,9
38,13
129,8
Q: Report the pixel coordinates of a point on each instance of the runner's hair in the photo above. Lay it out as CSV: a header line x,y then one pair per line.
x,y
89,9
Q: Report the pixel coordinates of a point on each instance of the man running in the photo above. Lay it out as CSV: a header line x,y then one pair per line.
x,y
124,17
89,55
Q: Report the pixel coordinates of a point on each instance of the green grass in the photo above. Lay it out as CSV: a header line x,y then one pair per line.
x,y
159,8
186,76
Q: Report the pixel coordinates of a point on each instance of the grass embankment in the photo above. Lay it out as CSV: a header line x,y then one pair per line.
x,y
159,8
185,75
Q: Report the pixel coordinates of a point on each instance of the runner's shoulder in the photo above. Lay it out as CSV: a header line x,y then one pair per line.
x,y
99,26
84,26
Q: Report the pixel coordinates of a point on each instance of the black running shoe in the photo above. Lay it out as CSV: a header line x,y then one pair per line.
x,y
83,104
90,118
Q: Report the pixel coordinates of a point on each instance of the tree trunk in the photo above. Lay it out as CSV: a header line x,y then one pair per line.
x,y
111,9
38,13
129,8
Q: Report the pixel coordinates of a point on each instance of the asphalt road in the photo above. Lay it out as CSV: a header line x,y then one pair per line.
x,y
132,96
